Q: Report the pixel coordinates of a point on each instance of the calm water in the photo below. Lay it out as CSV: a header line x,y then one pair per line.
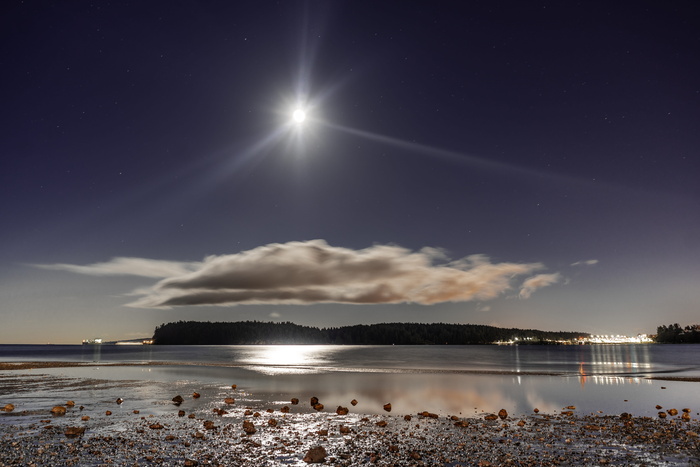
x,y
600,360
444,379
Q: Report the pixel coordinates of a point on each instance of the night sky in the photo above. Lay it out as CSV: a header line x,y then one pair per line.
x,y
513,163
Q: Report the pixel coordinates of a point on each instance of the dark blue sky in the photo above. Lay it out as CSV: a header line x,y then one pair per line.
x,y
557,139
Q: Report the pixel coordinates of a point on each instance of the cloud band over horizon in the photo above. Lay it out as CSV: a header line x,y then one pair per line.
x,y
297,273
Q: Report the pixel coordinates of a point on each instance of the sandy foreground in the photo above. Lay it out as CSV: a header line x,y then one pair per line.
x,y
228,426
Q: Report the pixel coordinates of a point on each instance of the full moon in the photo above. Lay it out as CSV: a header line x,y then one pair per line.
x,y
299,116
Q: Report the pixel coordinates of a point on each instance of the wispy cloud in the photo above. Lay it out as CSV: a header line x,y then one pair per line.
x,y
129,267
537,282
315,272
589,262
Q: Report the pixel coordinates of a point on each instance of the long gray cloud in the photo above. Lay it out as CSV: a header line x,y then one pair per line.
x,y
315,272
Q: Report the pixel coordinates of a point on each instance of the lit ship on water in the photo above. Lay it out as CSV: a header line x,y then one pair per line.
x,y
95,341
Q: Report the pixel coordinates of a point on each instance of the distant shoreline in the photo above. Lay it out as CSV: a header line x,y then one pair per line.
x,y
259,332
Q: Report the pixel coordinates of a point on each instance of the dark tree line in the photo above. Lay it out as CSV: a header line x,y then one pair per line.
x,y
239,333
257,332
675,334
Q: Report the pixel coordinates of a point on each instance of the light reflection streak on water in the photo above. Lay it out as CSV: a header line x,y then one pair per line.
x,y
613,358
606,380
286,359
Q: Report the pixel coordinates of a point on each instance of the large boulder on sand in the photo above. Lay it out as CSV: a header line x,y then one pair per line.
x,y
248,427
74,431
315,455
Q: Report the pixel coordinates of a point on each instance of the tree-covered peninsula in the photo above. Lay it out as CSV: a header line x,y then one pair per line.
x,y
675,334
257,332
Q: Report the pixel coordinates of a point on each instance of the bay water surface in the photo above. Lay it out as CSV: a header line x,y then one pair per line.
x,y
466,380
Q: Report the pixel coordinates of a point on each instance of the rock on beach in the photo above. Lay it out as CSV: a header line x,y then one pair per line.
x,y
315,455
74,431
248,427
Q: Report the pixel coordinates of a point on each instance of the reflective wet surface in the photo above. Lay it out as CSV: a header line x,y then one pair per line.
x,y
443,379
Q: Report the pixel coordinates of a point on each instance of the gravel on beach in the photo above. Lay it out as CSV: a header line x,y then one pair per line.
x,y
287,439
191,430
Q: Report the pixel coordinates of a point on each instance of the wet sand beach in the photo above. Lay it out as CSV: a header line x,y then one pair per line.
x,y
138,423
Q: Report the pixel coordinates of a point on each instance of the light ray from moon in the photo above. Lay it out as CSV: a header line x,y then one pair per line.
x,y
453,156
298,132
